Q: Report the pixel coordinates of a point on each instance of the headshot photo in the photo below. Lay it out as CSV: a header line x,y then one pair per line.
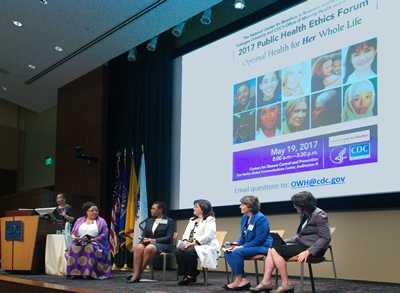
x,y
244,127
244,96
296,80
296,115
269,88
326,108
361,61
360,100
268,121
326,71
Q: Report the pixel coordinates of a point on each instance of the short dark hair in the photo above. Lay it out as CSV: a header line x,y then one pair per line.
x,y
305,201
62,194
251,202
87,205
205,207
162,206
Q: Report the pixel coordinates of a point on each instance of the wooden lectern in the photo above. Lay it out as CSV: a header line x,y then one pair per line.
x,y
23,241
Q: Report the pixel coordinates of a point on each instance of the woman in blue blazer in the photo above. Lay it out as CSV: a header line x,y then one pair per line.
x,y
254,239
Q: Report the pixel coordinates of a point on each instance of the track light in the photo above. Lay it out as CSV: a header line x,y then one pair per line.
x,y
206,17
178,29
152,44
132,55
240,4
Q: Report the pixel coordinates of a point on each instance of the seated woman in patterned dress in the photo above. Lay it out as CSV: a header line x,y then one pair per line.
x,y
88,255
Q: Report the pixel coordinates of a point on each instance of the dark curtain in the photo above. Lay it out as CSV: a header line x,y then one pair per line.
x,y
139,114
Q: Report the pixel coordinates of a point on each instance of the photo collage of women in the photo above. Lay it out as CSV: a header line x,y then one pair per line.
x,y
333,88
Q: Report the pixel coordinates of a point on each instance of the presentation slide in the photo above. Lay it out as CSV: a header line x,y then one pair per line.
x,y
302,100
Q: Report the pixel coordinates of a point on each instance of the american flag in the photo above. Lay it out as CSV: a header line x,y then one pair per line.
x,y
116,210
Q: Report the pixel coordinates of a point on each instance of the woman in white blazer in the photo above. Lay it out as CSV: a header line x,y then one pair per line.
x,y
198,242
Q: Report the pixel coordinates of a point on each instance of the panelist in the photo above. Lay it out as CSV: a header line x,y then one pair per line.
x,y
198,241
254,239
88,255
157,237
312,239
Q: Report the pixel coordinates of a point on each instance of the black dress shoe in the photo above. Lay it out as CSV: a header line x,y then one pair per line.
x,y
187,280
240,288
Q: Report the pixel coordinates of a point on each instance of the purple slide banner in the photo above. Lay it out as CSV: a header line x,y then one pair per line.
x,y
339,149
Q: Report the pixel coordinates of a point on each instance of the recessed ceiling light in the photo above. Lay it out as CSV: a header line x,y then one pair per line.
x,y
4,88
240,4
58,48
17,23
44,2
33,67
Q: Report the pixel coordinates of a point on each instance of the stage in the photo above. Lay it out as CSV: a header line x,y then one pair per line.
x,y
43,283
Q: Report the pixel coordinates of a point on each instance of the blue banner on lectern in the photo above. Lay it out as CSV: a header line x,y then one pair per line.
x,y
14,231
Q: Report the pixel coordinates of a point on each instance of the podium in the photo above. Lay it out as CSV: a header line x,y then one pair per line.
x,y
23,241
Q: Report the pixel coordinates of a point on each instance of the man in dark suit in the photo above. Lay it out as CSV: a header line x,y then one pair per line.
x,y
157,237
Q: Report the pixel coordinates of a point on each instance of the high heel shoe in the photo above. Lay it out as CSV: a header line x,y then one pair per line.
x,y
128,277
187,280
282,289
132,280
239,288
262,288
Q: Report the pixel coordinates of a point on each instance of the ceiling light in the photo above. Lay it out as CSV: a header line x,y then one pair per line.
x,y
152,44
178,29
206,17
132,55
240,4
58,48
17,23
33,67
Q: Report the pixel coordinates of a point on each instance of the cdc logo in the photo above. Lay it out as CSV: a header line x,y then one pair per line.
x,y
360,151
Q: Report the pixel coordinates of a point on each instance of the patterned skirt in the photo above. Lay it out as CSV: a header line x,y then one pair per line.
x,y
88,261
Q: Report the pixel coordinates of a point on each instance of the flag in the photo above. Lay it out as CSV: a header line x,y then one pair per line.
x,y
131,205
115,209
123,199
142,207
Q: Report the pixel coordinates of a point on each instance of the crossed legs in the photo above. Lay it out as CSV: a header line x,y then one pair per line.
x,y
274,260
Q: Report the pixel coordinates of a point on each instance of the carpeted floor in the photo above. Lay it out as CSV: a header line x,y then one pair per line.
x,y
216,281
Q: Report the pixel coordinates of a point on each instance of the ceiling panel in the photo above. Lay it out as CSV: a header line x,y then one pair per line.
x,y
71,25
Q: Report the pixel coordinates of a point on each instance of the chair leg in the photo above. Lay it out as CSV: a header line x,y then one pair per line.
x,y
333,267
205,276
164,266
152,271
226,271
302,277
276,277
256,269
311,277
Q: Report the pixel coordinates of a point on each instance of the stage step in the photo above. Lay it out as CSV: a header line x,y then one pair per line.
x,y
21,285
